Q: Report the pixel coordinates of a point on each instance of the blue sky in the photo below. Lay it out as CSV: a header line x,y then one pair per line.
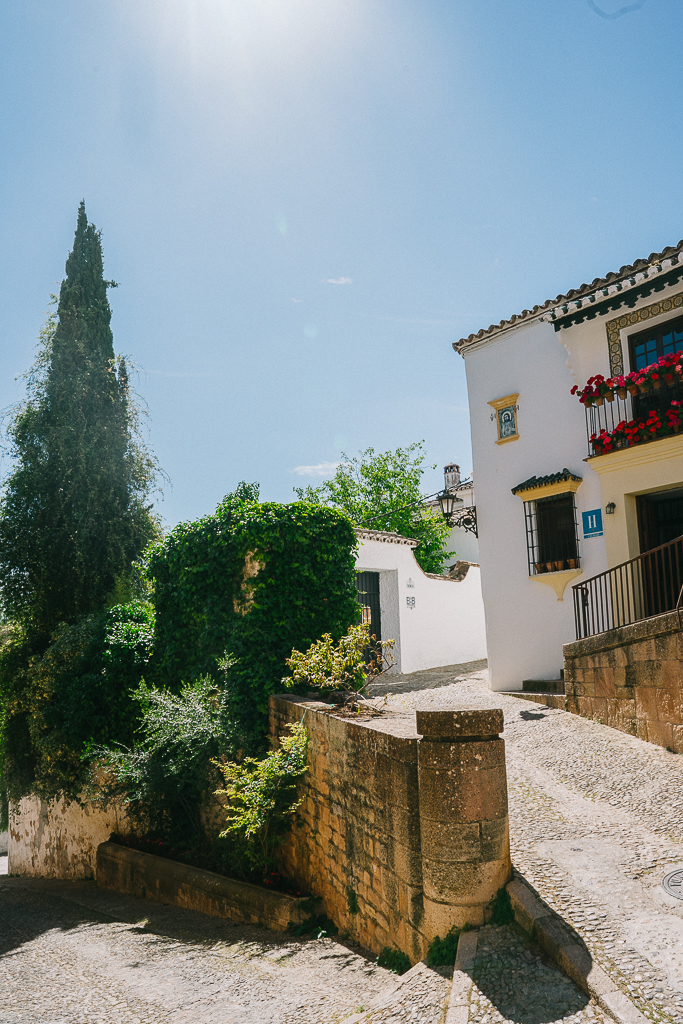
x,y
306,201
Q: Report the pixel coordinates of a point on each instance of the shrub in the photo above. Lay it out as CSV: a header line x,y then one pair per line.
x,y
350,664
166,776
262,797
393,960
76,693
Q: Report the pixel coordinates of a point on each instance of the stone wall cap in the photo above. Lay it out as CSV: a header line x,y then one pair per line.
x,y
461,724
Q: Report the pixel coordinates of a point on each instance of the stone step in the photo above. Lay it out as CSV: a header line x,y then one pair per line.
x,y
551,700
543,685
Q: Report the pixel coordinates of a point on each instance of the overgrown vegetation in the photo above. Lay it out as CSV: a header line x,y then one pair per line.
x,y
501,908
442,952
382,490
166,776
254,581
393,960
350,664
75,693
262,798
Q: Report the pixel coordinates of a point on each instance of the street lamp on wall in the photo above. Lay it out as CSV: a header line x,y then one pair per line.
x,y
609,508
447,503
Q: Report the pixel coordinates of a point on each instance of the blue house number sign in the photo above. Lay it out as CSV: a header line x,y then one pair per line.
x,y
592,523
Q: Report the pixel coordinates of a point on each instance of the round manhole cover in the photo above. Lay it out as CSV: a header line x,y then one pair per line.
x,y
673,884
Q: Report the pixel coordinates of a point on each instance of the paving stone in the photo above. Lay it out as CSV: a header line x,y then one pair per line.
x,y
596,821
74,954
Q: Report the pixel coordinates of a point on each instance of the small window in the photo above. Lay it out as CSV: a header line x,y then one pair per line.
x,y
647,346
551,534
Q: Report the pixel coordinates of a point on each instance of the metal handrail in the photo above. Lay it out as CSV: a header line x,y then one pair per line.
x,y
644,586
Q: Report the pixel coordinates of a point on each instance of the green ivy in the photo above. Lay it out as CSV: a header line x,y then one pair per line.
x,y
252,582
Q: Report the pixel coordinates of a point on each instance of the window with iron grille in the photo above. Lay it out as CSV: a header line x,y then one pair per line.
x,y
551,534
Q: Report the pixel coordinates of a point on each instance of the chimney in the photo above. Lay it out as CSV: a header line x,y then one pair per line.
x,y
451,475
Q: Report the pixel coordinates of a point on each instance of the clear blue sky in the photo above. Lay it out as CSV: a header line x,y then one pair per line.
x,y
447,162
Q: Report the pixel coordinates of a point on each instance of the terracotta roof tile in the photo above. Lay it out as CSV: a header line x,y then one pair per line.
x,y
585,291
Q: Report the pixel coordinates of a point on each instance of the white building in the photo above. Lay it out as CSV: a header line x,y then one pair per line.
x,y
552,509
434,620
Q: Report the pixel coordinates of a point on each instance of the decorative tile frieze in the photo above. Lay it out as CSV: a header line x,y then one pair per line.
x,y
636,316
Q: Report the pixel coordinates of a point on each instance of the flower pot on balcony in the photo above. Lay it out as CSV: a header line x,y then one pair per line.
x,y
559,565
610,396
588,402
622,392
571,562
599,400
633,390
550,567
540,567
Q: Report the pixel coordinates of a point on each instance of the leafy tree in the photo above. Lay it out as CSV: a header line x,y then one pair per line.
x,y
383,491
74,514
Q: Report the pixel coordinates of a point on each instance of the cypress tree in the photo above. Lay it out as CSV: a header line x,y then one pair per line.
x,y
75,510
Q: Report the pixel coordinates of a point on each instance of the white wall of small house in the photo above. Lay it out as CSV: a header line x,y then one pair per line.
x,y
434,621
526,625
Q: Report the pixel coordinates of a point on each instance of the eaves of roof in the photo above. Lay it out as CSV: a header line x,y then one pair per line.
x,y
603,295
385,537
543,481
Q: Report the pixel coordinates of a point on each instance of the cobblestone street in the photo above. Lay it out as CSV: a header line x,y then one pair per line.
x,y
71,953
596,822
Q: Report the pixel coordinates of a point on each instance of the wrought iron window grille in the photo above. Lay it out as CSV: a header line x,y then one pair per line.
x,y
552,534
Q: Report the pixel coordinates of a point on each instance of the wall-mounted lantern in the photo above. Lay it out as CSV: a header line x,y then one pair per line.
x,y
609,508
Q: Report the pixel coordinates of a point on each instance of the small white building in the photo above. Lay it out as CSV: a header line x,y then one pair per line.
x,y
434,620
555,509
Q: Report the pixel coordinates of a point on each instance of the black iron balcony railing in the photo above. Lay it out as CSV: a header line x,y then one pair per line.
x,y
632,410
648,585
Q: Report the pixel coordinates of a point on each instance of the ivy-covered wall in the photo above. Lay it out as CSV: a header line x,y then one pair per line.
x,y
237,591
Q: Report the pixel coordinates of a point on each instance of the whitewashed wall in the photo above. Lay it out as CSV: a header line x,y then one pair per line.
x,y
59,839
462,542
446,624
525,623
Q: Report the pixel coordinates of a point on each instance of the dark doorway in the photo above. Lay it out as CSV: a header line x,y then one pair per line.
x,y
368,599
660,518
660,521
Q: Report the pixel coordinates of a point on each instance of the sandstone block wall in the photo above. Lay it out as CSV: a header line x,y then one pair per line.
x,y
631,678
402,834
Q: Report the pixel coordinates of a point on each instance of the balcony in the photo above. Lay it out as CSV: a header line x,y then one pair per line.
x,y
648,585
633,415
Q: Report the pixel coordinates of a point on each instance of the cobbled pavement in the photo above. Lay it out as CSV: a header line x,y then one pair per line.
x,y
596,821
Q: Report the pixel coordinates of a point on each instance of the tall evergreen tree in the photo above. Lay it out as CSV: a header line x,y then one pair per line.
x,y
75,511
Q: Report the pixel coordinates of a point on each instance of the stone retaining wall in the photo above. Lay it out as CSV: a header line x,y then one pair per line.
x,y
631,678
157,878
59,838
404,825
